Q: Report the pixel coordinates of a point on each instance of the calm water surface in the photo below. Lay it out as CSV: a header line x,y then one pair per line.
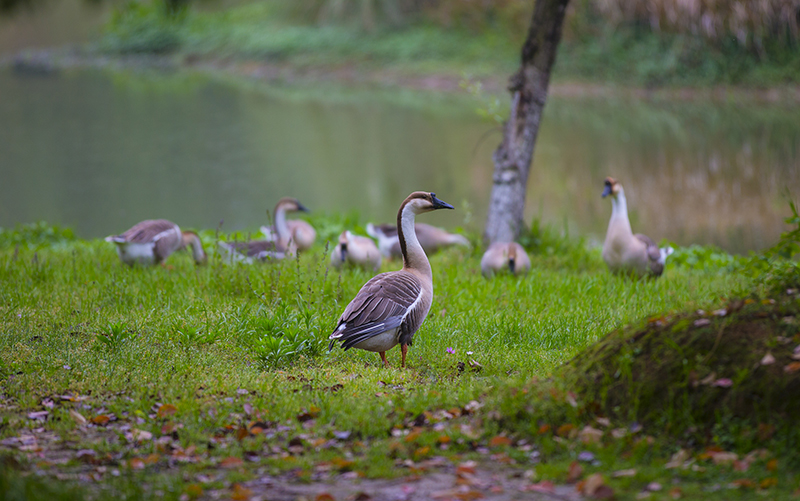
x,y
100,151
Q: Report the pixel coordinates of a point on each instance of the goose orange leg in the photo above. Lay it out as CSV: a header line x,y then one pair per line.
x,y
404,350
383,357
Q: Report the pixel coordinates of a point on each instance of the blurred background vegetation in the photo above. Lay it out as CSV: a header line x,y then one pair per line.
x,y
638,42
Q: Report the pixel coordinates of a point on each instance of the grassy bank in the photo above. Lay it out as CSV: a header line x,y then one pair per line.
x,y
204,380
594,50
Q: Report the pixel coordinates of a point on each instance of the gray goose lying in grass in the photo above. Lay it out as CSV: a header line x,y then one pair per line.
x,y
152,241
505,256
623,251
263,250
356,250
390,307
430,237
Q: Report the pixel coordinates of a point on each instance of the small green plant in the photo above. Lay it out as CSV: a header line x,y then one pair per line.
x,y
189,335
114,336
35,235
280,334
702,257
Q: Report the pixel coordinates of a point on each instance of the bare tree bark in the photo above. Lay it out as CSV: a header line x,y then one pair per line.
x,y
528,87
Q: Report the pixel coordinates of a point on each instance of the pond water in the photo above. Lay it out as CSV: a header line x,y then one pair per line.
x,y
99,151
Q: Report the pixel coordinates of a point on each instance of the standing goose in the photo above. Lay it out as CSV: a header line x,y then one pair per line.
x,y
263,250
152,241
623,251
391,306
356,250
501,256
430,237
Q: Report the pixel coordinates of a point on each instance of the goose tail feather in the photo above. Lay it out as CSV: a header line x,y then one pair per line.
x,y
665,252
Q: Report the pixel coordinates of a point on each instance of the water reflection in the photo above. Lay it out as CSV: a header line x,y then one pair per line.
x,y
100,152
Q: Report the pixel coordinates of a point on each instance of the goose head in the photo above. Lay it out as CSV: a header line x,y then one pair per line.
x,y
421,202
611,187
290,204
192,240
511,254
343,239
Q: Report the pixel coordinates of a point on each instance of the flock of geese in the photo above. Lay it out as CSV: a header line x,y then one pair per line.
x,y
391,306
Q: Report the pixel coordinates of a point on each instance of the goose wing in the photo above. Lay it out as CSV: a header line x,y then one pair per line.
x,y
148,231
257,248
388,301
653,254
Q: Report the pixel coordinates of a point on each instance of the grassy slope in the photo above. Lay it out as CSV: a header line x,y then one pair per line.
x,y
625,55
196,338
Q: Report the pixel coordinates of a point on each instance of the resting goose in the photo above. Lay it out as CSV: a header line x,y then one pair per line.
x,y
280,248
390,307
623,251
502,256
430,237
356,250
152,241
303,234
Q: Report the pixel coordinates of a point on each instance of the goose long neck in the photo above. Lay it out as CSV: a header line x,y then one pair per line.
x,y
193,241
413,255
619,212
281,228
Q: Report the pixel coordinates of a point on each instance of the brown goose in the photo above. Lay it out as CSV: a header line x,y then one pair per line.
x,y
502,256
390,307
356,250
623,251
263,250
430,237
152,241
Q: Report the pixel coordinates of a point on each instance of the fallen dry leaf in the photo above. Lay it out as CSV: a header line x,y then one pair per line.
x,y
702,322
574,472
589,435
768,359
678,459
792,368
772,465
324,497
545,486
101,420
77,417
240,493
592,484
624,473
38,416
723,382
499,441
167,410
136,464
724,457
136,435
231,462
768,482
565,429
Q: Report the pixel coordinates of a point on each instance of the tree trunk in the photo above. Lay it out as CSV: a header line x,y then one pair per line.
x,y
528,87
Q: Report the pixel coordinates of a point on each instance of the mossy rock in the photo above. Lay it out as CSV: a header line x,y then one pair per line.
x,y
695,369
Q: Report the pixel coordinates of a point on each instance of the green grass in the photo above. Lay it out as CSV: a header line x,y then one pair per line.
x,y
595,52
76,322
